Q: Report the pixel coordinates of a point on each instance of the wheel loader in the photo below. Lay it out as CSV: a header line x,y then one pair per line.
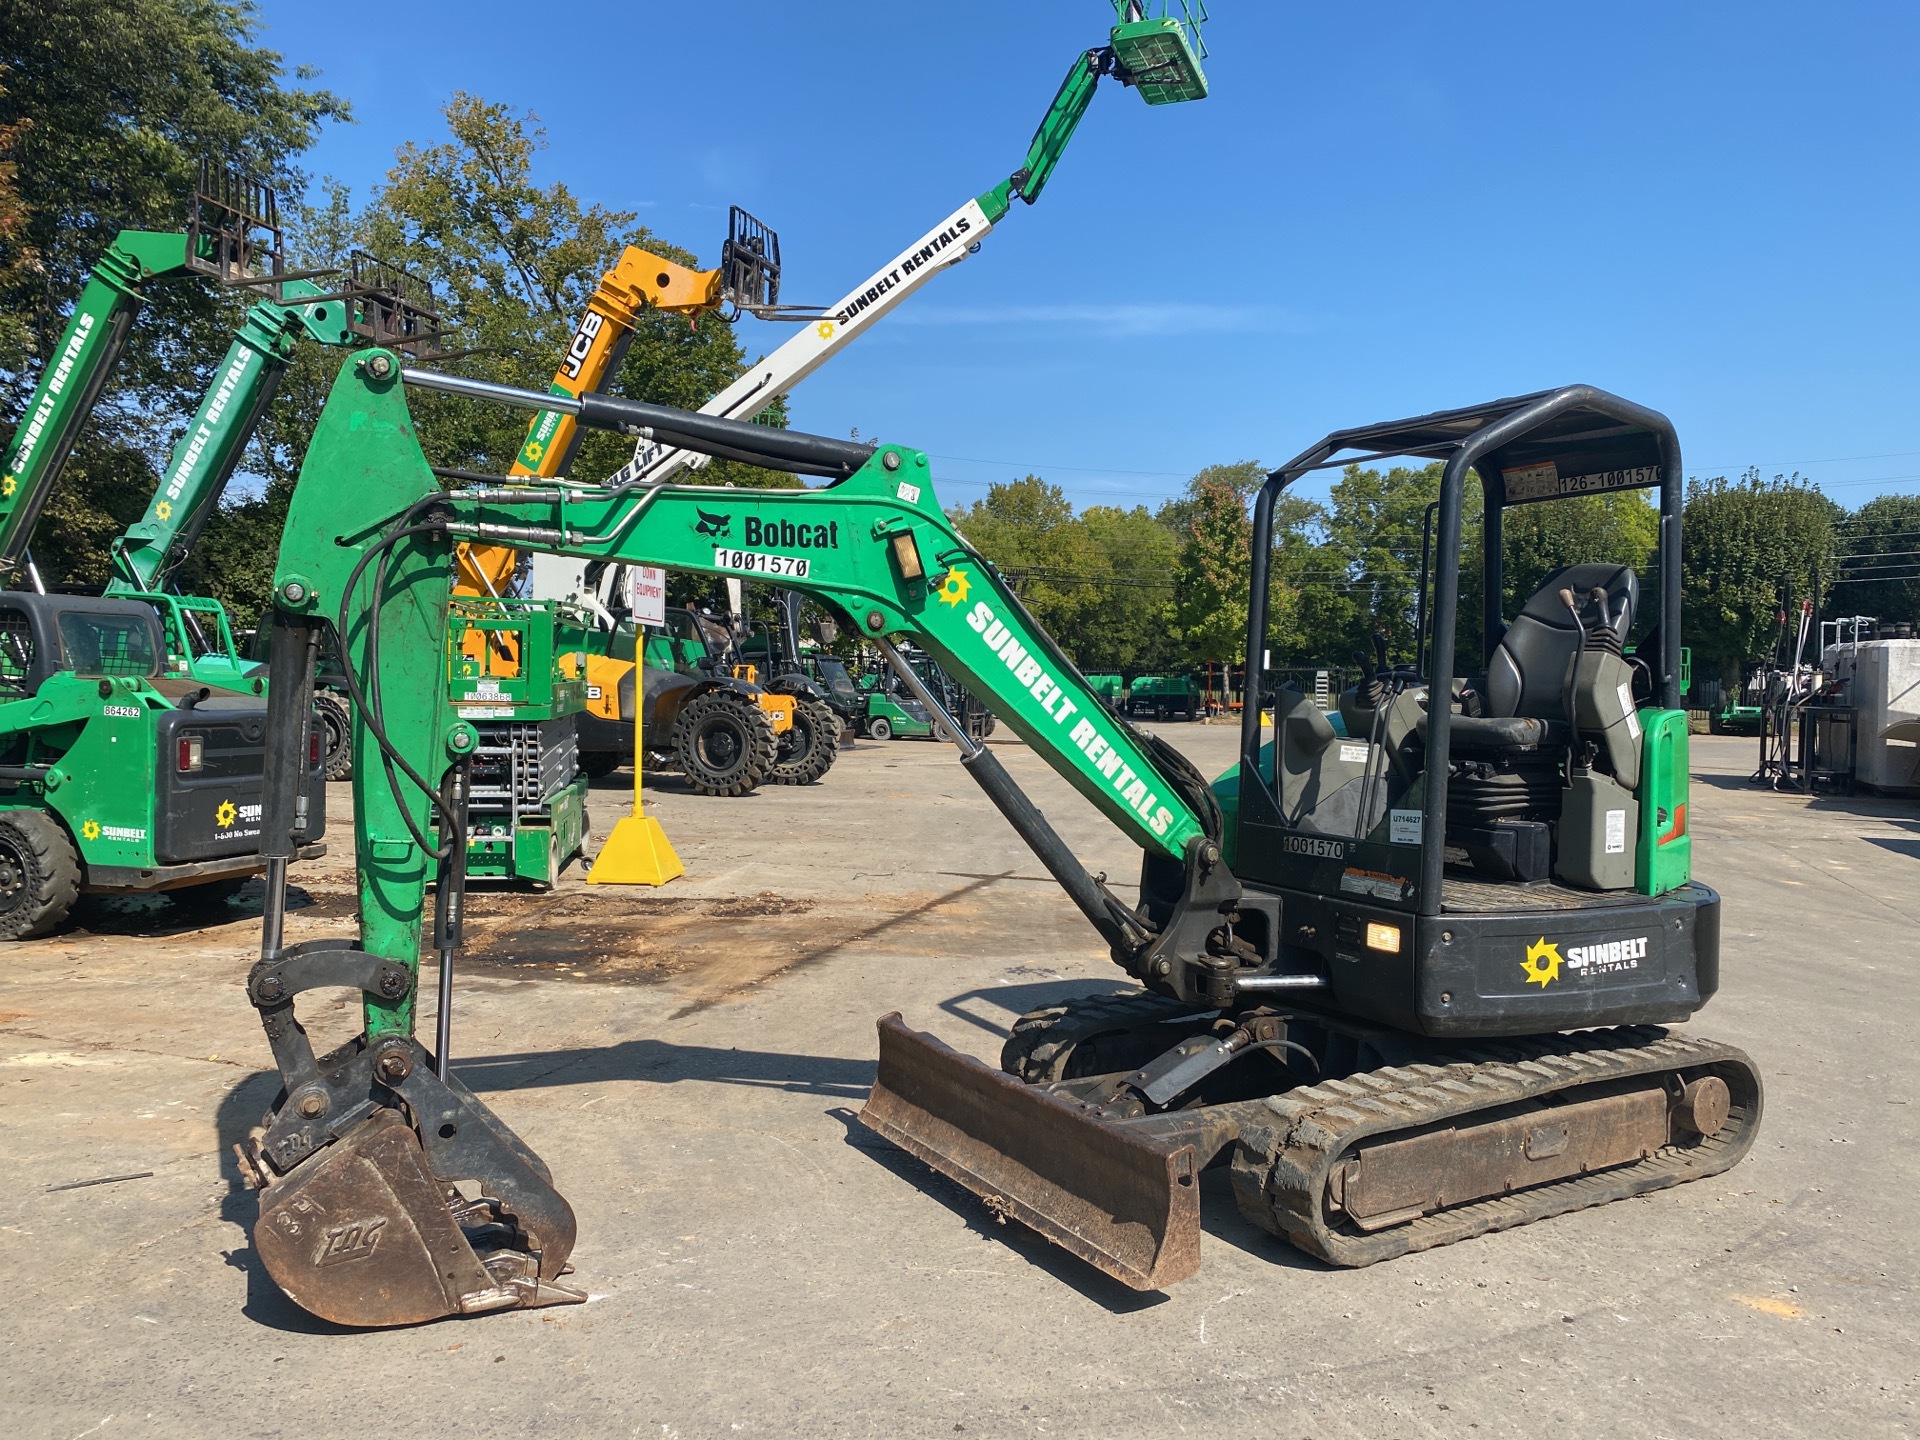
x,y
1405,984
721,731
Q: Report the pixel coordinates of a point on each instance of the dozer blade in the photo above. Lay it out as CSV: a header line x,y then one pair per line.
x,y
1127,1203
363,1234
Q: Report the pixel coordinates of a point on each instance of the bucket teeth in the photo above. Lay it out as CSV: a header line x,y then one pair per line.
x,y
1126,1203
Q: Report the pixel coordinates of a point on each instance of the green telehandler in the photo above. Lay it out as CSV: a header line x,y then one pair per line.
x,y
1355,961
372,303
121,771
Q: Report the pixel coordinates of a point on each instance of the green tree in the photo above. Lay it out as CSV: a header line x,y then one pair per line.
x,y
1212,579
1296,522
1742,538
107,109
1363,576
1540,538
511,263
1027,528
1134,631
1880,570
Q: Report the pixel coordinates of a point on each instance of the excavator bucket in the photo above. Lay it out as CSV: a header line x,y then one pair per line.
x,y
1127,1203
365,1235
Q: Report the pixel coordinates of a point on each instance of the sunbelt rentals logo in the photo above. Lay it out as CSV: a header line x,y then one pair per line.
x,y
1106,754
1544,960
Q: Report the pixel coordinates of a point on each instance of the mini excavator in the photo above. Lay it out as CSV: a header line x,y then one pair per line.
x,y
1406,983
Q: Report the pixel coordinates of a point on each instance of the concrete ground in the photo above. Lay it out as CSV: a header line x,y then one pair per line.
x,y
689,1063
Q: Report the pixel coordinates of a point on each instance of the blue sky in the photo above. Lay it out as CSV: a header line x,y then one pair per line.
x,y
1382,209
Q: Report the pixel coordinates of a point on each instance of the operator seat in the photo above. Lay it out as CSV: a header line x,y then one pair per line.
x,y
1542,673
1557,686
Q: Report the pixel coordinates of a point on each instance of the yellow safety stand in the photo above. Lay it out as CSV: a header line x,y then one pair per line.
x,y
638,851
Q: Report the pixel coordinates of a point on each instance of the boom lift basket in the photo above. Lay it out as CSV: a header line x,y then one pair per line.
x,y
1160,56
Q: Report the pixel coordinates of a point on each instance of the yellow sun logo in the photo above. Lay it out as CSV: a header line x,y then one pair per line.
x,y
8,485
533,450
1542,963
953,589
824,329
226,815
91,830
163,511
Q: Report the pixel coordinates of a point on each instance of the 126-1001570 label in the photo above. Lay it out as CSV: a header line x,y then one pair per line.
x,y
790,565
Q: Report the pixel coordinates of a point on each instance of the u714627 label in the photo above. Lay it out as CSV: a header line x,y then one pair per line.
x,y
793,566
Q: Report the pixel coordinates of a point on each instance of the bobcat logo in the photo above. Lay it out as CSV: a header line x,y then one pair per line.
x,y
714,527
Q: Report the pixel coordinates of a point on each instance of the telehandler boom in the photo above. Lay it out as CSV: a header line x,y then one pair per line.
x,y
1157,57
1366,1033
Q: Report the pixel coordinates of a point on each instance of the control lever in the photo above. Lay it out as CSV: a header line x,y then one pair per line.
x,y
1616,623
1573,708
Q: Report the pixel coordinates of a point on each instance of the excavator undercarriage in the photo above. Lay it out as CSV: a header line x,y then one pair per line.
x,y
1354,1144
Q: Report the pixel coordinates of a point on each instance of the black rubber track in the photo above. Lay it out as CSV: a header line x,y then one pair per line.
x,y
1281,1169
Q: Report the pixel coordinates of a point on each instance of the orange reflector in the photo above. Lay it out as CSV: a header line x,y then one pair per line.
x,y
1383,937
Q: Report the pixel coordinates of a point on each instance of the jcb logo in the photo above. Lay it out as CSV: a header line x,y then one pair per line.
x,y
582,344
355,1241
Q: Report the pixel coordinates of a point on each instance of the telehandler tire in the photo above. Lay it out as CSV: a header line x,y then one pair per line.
x,y
336,734
724,744
807,751
39,874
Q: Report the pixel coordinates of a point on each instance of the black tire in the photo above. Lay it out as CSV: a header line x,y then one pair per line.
x,y
987,727
598,764
724,744
879,728
336,734
807,751
39,874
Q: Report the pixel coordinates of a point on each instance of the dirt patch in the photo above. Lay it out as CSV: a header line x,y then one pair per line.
x,y
645,939
707,949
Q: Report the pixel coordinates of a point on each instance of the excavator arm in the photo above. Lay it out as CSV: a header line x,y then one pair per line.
x,y
368,553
